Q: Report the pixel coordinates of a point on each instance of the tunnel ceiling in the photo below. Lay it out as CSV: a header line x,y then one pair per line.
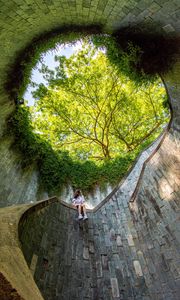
x,y
22,20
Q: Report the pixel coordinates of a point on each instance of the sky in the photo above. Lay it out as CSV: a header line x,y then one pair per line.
x,y
48,59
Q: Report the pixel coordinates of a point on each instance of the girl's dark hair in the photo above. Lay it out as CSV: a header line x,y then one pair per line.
x,y
77,193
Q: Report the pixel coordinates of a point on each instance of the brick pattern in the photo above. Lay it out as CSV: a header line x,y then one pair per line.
x,y
172,82
22,186
20,21
127,186
17,185
127,251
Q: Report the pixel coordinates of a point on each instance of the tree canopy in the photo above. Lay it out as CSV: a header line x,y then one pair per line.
x,y
90,121
93,111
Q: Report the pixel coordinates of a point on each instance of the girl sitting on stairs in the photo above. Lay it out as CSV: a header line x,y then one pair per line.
x,y
78,202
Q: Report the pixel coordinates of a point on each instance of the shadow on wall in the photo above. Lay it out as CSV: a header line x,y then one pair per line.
x,y
159,191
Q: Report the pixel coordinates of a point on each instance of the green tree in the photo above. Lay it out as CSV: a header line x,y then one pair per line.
x,y
93,111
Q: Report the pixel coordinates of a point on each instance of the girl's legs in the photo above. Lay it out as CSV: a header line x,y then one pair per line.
x,y
84,211
79,212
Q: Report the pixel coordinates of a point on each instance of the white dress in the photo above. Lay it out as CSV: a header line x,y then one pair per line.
x,y
79,200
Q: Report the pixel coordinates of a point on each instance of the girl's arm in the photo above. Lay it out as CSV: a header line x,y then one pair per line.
x,y
73,201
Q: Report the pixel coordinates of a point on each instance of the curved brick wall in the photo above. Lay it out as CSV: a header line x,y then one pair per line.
x,y
125,251
21,21
130,249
